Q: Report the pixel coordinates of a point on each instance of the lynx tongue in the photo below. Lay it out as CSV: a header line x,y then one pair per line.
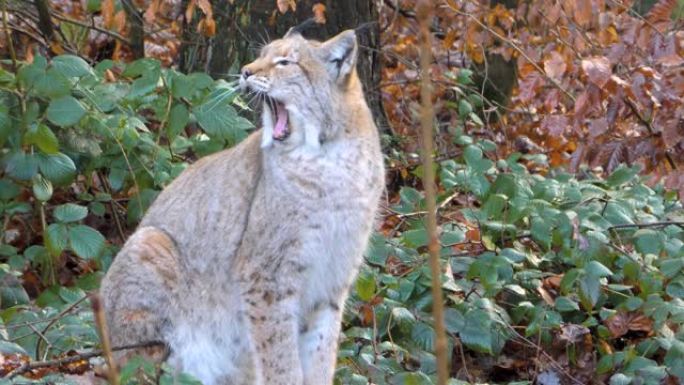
x,y
280,130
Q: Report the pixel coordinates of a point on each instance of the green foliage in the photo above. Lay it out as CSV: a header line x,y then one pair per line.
x,y
527,256
518,233
85,148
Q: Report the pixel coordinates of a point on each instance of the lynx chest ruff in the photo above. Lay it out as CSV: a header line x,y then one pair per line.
x,y
242,265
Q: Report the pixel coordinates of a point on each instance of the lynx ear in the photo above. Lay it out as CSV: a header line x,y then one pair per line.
x,y
339,54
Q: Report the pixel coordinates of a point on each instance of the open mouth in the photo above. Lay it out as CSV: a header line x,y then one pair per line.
x,y
281,128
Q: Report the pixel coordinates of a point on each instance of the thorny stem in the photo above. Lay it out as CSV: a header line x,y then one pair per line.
x,y
424,13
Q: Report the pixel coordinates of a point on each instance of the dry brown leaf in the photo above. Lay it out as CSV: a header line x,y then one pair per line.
x,y
319,13
285,5
107,10
661,11
555,66
583,12
190,10
120,21
597,69
572,333
622,323
555,124
151,12
205,6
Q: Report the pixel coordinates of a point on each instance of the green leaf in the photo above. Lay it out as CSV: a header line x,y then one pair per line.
x,y
472,155
365,285
218,118
12,293
649,241
620,379
52,84
407,378
596,269
590,289
622,175
56,238
70,212
8,190
57,168
42,188
403,316
181,86
477,332
565,304
178,119
71,66
7,347
423,335
464,108
21,165
675,289
670,267
415,238
453,320
85,241
43,137
65,111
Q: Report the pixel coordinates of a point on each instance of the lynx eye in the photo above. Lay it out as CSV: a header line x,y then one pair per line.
x,y
283,62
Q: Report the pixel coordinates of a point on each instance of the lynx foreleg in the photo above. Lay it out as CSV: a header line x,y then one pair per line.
x,y
272,313
318,344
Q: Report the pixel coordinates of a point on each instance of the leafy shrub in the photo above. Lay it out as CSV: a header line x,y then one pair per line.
x,y
84,152
541,267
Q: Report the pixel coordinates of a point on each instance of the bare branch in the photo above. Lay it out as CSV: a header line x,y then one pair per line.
x,y
424,15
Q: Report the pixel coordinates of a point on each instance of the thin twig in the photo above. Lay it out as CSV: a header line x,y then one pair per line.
x,y
8,35
646,225
77,357
650,129
101,322
520,51
113,34
424,13
55,319
112,206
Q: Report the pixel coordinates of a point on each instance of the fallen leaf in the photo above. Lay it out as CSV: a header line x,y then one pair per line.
x,y
597,70
319,13
555,66
622,323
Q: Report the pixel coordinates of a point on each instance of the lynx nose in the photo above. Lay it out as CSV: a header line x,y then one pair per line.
x,y
246,73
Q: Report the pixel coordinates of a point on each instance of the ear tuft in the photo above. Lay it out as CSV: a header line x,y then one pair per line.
x,y
340,54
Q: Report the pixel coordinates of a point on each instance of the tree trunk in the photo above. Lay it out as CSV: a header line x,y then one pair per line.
x,y
498,77
136,29
45,21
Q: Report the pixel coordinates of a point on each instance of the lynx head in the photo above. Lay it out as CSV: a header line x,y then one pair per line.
x,y
305,85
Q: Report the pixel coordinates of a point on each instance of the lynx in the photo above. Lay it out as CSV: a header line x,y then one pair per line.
x,y
242,265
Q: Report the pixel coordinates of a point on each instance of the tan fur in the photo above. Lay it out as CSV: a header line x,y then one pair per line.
x,y
243,263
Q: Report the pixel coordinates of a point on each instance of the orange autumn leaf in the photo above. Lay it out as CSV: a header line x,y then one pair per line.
x,y
190,10
205,6
107,10
151,12
319,13
285,5
597,69
120,21
554,65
